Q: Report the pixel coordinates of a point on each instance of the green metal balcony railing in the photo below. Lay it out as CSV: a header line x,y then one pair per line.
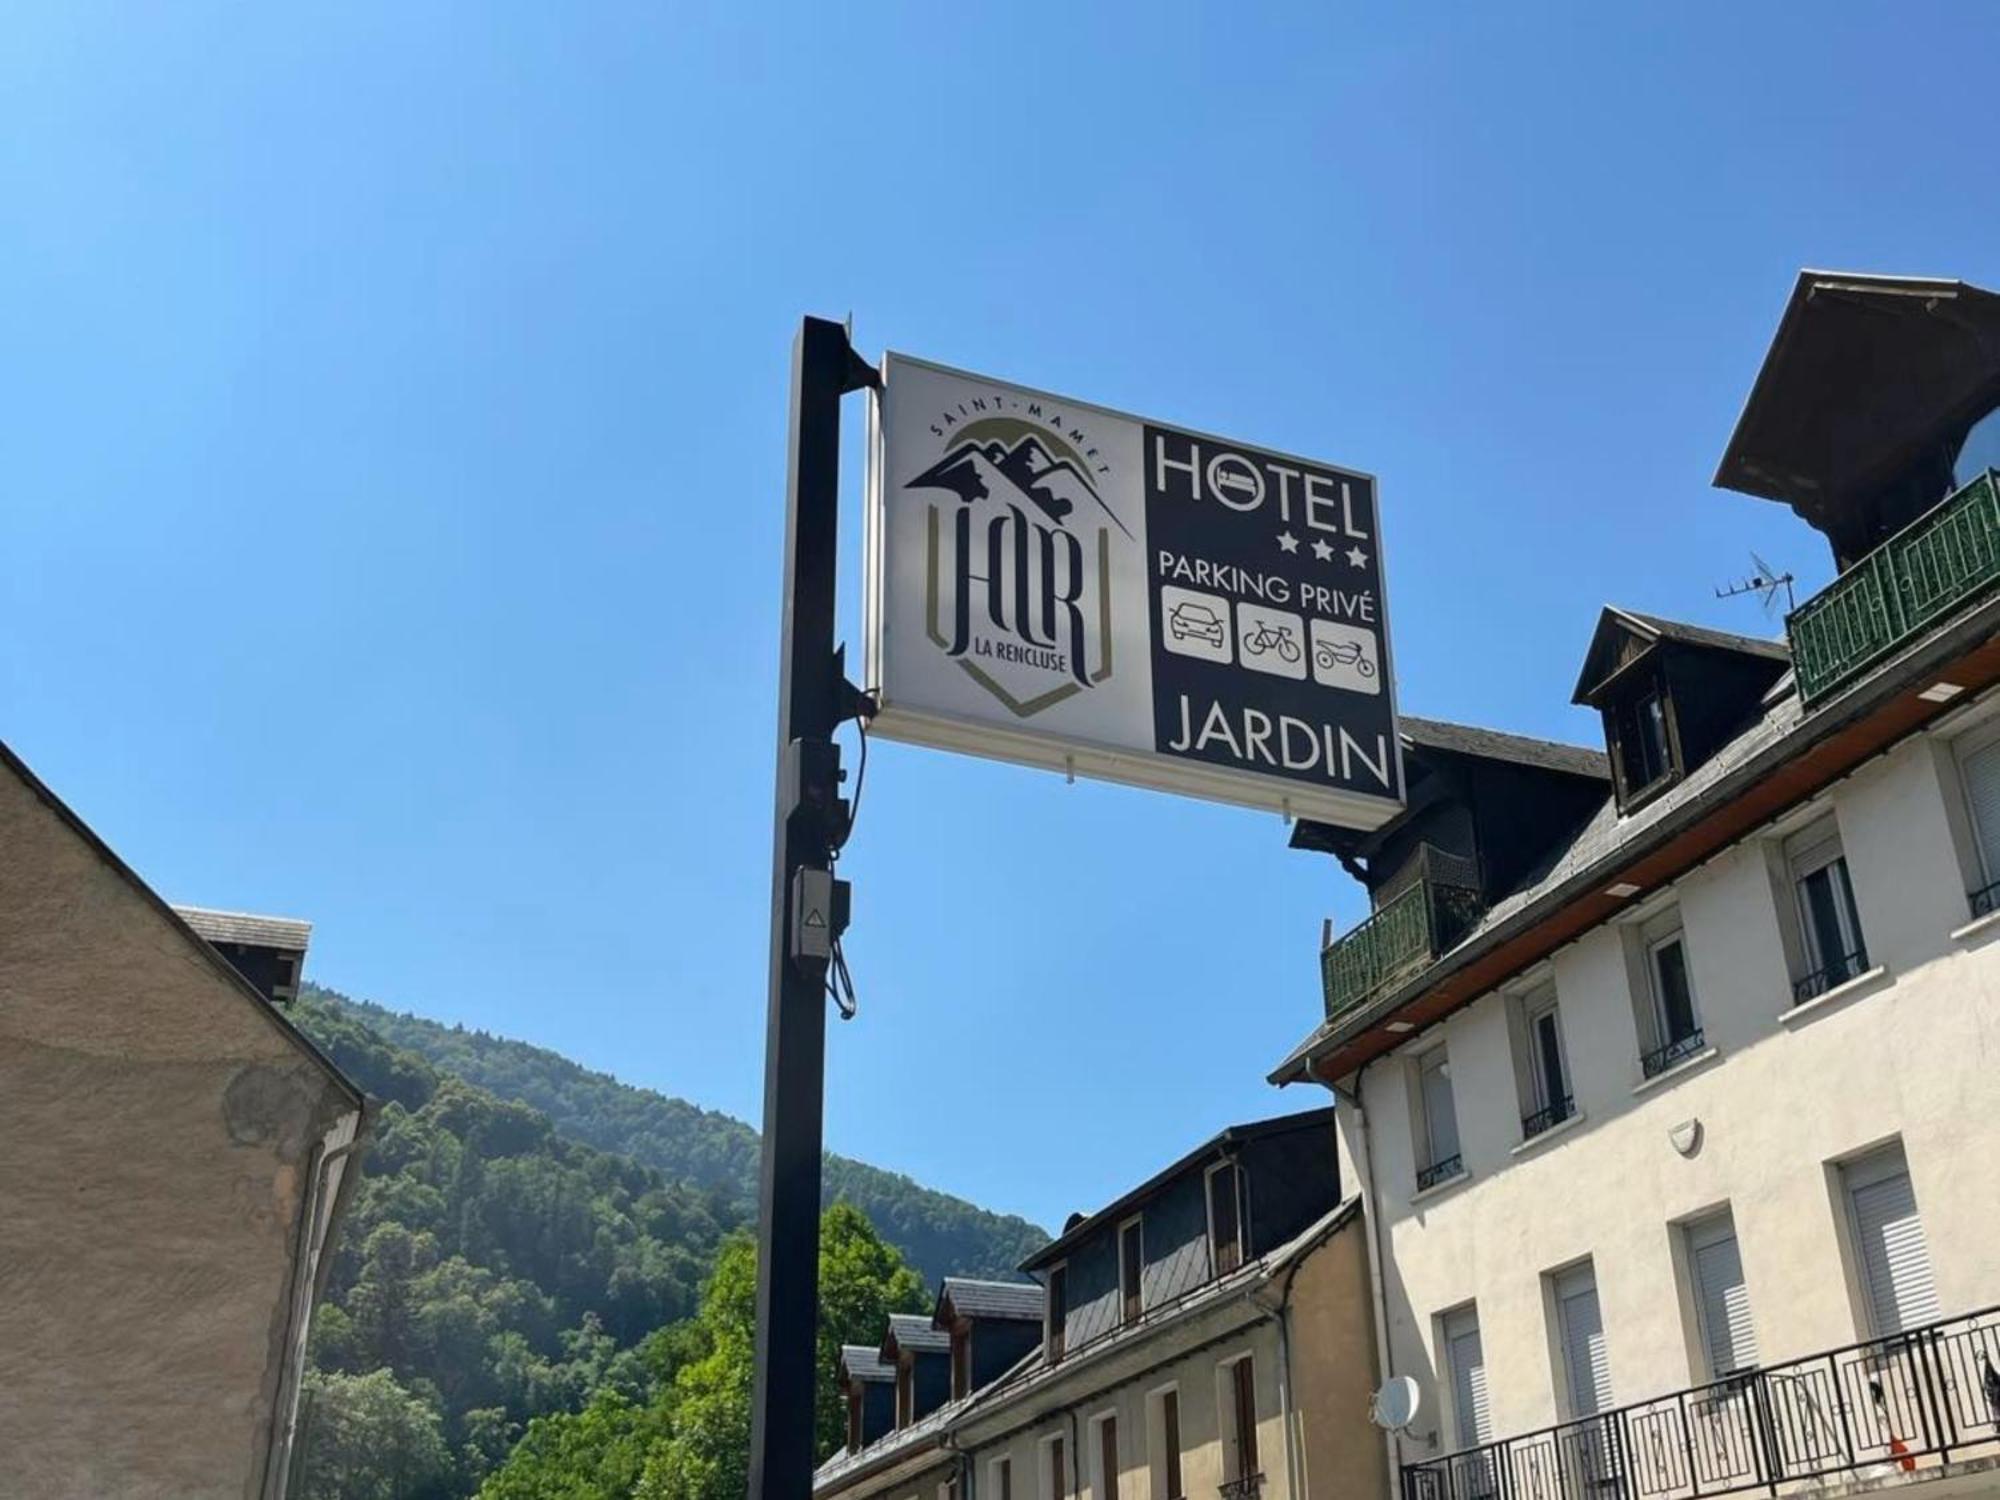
x,y
1939,562
1405,934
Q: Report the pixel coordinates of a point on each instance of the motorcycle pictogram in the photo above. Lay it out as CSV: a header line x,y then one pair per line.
x,y
1329,654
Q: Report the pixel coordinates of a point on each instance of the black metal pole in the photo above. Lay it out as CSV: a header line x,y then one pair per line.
x,y
813,698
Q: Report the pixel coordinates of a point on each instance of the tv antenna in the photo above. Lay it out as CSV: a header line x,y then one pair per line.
x,y
1764,583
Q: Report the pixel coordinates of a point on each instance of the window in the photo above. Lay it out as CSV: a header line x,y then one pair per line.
x,y
1236,1395
1829,924
1676,1029
1437,1121
1163,1442
1979,452
1889,1248
1465,1370
1721,1298
1104,1480
1055,1469
1545,1092
1225,1239
1979,774
1645,741
1000,1476
1580,1336
1131,1261
961,1359
1058,1311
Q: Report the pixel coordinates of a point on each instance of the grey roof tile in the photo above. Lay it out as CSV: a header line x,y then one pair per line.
x,y
288,933
1702,635
863,1363
1022,1300
914,1331
1495,744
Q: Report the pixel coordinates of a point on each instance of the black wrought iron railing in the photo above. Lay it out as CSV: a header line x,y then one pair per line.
x,y
1542,1119
1985,900
1887,1407
1244,1487
1656,1062
1439,1171
1847,966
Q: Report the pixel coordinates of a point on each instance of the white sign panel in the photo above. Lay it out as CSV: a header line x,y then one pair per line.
x,y
1064,586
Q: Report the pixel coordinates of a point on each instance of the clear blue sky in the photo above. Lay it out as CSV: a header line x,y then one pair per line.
x,y
392,463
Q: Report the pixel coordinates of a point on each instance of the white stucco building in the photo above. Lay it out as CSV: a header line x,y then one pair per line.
x,y
1670,1076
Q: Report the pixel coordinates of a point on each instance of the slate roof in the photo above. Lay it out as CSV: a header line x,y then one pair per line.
x,y
915,1332
1023,1301
860,1362
288,933
1084,1225
1494,744
1701,635
929,1432
1596,843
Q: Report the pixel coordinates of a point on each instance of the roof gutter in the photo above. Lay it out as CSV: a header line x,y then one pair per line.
x,y
1858,703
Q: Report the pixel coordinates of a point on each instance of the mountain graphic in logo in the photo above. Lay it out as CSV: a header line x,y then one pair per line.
x,y
976,469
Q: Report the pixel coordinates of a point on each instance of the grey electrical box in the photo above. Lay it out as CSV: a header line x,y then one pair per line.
x,y
819,915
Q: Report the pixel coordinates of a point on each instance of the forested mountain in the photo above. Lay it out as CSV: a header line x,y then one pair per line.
x,y
495,1277
938,1234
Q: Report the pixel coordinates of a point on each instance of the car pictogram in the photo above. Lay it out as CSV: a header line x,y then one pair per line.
x,y
1196,621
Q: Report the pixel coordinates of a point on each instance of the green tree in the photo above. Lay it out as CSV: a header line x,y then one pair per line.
x,y
694,1433
594,1454
367,1438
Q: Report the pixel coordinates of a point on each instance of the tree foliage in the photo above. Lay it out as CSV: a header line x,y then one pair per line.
x,y
370,1439
511,1308
938,1234
692,1436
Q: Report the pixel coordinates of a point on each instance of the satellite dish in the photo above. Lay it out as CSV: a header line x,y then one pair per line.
x,y
1395,1406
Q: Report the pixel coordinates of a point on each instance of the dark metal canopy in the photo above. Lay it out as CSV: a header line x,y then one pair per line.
x,y
1866,379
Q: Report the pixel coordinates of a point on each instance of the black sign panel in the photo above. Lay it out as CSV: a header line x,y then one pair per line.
x,y
1268,646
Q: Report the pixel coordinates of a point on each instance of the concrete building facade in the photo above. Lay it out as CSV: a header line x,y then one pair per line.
x,y
1678,1149
173,1158
1208,1333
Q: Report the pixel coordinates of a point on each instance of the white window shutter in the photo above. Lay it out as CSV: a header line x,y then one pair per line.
x,y
1895,1261
1982,796
1467,1362
1584,1347
1724,1298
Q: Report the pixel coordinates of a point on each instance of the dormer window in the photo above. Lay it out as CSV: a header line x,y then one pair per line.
x,y
961,1359
1057,1313
1643,738
1672,695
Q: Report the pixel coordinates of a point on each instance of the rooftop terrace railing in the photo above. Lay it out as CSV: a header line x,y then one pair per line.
x,y
1929,569
1404,935
1887,1407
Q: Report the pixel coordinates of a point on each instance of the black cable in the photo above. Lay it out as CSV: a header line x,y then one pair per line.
x,y
860,780
839,978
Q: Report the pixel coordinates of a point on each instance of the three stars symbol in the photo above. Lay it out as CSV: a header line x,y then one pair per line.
x,y
1322,549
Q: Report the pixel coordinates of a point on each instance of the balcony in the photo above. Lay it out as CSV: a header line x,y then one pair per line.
x,y
1938,563
1866,1413
1406,934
